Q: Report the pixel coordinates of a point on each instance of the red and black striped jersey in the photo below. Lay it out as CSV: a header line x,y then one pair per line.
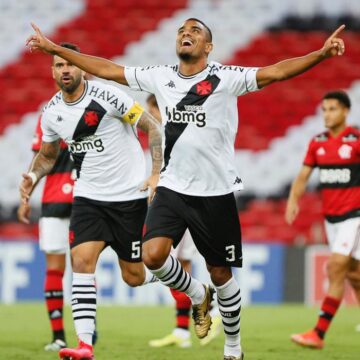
x,y
57,195
338,159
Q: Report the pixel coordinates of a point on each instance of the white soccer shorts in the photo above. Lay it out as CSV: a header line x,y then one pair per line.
x,y
344,237
54,235
186,250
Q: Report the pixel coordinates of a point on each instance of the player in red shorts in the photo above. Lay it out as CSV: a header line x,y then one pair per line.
x,y
336,153
53,235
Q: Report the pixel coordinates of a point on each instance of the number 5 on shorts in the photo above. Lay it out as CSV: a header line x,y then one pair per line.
x,y
231,252
135,249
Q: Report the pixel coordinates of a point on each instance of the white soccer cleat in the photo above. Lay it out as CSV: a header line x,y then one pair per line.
x,y
56,345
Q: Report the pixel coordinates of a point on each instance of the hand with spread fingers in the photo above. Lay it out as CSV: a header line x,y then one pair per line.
x,y
334,46
39,42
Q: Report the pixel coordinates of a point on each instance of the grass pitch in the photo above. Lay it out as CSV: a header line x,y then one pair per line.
x,y
125,331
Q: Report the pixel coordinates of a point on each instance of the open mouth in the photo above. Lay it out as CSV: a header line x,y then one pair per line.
x,y
66,79
186,42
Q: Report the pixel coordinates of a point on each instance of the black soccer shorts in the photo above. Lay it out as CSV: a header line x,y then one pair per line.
x,y
119,224
213,223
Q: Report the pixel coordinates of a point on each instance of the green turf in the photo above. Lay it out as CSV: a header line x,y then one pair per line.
x,y
125,331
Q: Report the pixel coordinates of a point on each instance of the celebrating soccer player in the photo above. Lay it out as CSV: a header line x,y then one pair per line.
x,y
198,104
97,122
336,153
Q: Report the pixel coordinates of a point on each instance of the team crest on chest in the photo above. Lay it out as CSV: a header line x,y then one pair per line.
x,y
204,87
345,151
91,118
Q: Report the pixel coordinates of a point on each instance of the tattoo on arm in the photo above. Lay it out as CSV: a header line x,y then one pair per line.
x,y
152,127
45,159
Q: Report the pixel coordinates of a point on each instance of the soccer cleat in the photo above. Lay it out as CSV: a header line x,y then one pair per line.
x,y
56,345
171,340
201,313
309,339
214,331
241,357
82,352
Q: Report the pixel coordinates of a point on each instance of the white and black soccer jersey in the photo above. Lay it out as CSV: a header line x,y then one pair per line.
x,y
99,129
201,120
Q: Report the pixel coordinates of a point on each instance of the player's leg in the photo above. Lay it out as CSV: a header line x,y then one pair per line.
x,y
54,242
87,226
180,336
215,228
353,275
136,274
342,239
165,225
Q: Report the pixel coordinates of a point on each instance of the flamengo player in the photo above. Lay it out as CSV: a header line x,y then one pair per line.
x,y
54,234
198,104
336,153
97,122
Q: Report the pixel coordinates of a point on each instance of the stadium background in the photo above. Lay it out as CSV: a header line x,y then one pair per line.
x,y
282,263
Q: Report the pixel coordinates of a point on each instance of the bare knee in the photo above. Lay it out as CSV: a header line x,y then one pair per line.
x,y
133,278
154,253
336,269
82,264
219,274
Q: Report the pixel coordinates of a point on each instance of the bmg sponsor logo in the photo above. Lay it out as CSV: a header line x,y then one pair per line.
x,y
86,144
193,114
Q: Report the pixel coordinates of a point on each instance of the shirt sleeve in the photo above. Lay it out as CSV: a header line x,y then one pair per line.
x,y
241,80
127,109
141,78
310,157
36,142
49,135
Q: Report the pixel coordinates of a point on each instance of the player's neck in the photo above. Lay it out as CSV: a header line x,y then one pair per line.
x,y
72,97
189,68
334,132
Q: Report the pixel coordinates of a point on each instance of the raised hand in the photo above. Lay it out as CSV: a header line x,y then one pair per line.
x,y
38,42
334,46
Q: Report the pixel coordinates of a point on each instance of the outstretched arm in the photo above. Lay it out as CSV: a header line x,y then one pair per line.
x,y
287,69
42,164
151,126
297,190
97,66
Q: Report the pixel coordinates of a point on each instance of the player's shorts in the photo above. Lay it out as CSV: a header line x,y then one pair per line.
x,y
119,224
186,249
344,237
213,223
54,235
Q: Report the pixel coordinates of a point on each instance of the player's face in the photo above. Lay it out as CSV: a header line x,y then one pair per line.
x,y
192,41
67,76
154,110
334,113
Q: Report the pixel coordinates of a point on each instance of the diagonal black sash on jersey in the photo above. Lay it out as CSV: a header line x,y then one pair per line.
x,y
174,130
86,127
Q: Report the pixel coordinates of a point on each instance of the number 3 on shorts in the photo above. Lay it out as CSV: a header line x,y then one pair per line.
x,y
231,252
135,249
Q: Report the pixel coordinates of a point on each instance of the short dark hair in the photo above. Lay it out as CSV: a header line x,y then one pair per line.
x,y
340,96
205,26
70,46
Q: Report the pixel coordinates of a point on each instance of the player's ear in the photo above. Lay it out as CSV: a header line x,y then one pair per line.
x,y
53,72
208,48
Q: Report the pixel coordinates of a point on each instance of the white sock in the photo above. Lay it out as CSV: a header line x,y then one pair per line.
x,y
174,276
229,299
84,305
149,277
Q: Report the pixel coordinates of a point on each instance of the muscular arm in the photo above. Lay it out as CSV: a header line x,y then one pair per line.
x,y
97,66
287,69
151,126
297,190
41,165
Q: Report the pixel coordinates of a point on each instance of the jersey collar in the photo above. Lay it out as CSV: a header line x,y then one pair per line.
x,y
79,99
